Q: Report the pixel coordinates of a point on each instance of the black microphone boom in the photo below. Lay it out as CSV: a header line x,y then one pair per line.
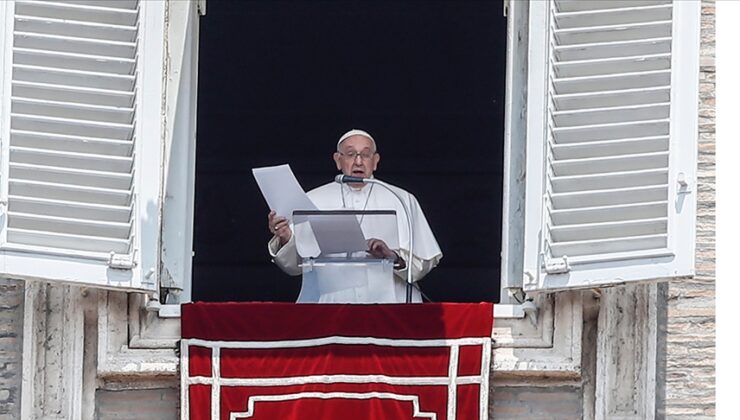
x,y
345,179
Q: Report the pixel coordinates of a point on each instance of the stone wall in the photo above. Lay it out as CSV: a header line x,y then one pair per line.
x,y
690,329
11,345
151,404
552,402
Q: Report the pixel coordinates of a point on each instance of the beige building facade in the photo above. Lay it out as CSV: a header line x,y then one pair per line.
x,y
643,350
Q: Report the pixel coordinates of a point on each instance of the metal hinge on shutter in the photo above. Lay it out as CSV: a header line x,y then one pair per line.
x,y
684,187
556,265
121,261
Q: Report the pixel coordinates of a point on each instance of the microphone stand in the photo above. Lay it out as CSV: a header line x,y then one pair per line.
x,y
409,264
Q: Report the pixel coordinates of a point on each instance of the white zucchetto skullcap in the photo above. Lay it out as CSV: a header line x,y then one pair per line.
x,y
356,132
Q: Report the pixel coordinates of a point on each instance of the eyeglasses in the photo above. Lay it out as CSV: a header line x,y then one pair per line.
x,y
352,155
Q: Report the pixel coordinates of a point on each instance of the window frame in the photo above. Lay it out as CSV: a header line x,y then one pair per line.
x,y
543,337
181,114
521,159
515,132
514,171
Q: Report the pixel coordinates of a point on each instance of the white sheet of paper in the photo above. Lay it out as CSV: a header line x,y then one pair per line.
x,y
325,234
281,190
338,233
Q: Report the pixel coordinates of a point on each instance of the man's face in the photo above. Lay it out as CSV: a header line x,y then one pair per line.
x,y
356,157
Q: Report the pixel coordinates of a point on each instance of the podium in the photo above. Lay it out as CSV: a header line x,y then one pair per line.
x,y
335,266
361,362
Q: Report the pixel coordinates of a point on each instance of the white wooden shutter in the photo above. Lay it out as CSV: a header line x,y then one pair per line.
x,y
80,145
611,141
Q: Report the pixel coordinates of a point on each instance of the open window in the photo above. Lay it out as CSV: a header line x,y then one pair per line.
x,y
80,175
426,80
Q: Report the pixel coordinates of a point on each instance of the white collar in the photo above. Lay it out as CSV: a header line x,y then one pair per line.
x,y
356,191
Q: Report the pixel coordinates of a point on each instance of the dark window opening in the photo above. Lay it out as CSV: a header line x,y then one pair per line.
x,y
280,81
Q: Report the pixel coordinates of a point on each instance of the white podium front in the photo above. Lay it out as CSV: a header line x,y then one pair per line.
x,y
336,267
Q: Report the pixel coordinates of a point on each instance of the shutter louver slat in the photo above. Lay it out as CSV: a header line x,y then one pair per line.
x,y
598,132
606,66
615,49
117,4
610,148
37,140
87,178
610,213
612,99
644,79
602,181
608,230
622,16
608,246
129,5
61,208
71,110
72,124
75,45
615,114
609,116
76,94
72,160
73,77
77,12
565,6
71,127
65,241
60,27
609,197
74,193
613,33
610,164
69,225
72,61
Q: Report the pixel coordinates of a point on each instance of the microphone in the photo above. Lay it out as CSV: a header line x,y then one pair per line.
x,y
345,179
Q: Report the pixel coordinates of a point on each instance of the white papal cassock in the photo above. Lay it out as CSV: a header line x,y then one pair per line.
x,y
334,196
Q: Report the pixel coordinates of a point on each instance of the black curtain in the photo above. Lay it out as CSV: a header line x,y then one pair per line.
x,y
280,81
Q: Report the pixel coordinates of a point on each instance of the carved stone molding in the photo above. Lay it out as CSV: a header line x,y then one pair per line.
x,y
520,332
626,353
53,350
117,358
147,330
550,348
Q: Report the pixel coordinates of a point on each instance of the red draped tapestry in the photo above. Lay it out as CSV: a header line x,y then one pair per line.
x,y
313,361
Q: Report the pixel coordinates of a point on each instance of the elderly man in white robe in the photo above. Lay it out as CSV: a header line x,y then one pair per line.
x,y
357,156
